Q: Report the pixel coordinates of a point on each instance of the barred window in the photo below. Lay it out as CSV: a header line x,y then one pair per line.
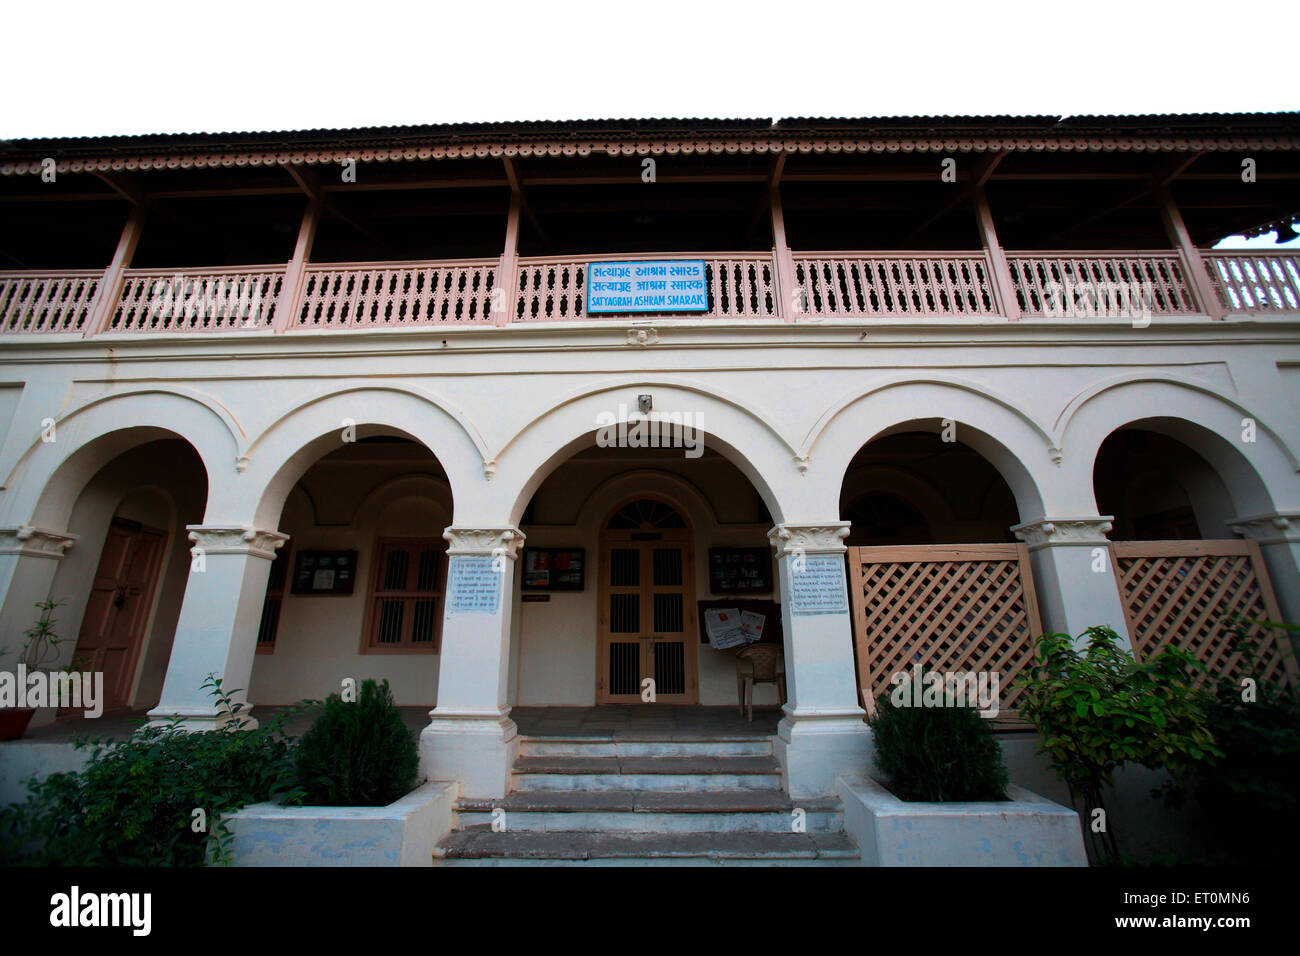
x,y
406,590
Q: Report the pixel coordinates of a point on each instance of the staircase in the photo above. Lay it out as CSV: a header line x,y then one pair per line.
x,y
614,801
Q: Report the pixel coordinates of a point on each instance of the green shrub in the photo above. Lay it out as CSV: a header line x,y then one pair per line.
x,y
358,753
1098,709
1254,781
938,753
134,802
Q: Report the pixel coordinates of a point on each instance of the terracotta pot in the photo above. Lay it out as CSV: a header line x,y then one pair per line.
x,y
13,723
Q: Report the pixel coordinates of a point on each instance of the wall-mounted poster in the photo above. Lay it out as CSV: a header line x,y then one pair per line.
x,y
324,572
740,570
553,569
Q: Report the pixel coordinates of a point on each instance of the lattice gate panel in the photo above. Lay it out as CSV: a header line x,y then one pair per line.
x,y
1183,593
967,608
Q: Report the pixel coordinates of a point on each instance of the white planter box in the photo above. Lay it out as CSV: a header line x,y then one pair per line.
x,y
1027,830
400,834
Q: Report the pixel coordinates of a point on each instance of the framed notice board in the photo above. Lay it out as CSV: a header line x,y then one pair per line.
x,y
324,572
740,570
553,569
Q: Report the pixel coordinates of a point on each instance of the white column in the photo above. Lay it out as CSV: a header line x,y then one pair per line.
x,y
1278,537
470,737
217,629
1076,583
823,734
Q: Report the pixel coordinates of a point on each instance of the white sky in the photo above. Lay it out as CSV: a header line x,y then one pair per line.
x,y
78,69
105,67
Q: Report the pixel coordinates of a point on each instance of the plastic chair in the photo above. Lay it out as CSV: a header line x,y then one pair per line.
x,y
757,664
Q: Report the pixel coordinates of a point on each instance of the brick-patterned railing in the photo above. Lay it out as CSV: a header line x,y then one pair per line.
x,y
849,284
967,608
1083,284
1181,593
389,295
47,301
740,286
1255,281
210,300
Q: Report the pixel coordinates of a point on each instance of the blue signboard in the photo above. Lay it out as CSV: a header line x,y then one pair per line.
x,y
675,285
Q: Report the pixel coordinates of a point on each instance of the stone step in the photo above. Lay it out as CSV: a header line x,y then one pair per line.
x,y
716,811
479,846
701,772
645,746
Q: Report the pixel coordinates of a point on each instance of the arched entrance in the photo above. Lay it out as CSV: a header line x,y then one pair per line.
x,y
646,620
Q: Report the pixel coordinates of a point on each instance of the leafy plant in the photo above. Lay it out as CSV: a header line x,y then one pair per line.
x,y
1257,729
358,753
42,646
135,801
1097,709
938,753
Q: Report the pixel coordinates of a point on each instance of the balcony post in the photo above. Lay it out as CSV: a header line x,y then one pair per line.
x,y
1004,287
110,284
787,306
508,270
1201,286
291,289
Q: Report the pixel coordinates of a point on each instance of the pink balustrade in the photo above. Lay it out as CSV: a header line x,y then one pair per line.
x,y
210,300
1255,281
740,286
47,301
851,284
1118,284
388,295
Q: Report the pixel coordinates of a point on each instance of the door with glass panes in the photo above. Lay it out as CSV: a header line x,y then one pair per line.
x,y
647,621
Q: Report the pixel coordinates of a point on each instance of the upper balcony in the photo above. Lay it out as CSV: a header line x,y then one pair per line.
x,y
813,227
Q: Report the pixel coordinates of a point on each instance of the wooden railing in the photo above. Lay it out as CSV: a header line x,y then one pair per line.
x,y
741,286
1183,593
848,284
1255,281
1116,284
47,301
214,300
373,296
948,608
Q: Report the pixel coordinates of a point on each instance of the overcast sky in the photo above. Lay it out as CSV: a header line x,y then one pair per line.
x,y
78,69
81,69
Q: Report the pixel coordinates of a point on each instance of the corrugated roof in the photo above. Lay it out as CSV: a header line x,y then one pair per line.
x,y
1262,124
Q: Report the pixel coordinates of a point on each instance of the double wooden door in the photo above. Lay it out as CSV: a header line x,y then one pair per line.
x,y
118,610
647,620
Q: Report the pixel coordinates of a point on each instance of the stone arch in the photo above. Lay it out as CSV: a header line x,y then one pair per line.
x,y
284,452
750,444
44,484
1260,476
1018,448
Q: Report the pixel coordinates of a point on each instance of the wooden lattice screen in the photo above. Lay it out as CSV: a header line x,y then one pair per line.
x,y
1182,593
967,608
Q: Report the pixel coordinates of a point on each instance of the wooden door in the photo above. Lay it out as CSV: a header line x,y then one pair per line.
x,y
118,610
647,620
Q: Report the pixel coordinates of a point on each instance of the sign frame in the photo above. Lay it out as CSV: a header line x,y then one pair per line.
x,y
647,309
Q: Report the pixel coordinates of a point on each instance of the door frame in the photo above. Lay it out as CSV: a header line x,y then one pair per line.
x,y
149,598
690,625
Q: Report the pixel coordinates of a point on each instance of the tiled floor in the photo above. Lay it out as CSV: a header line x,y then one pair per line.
x,y
646,720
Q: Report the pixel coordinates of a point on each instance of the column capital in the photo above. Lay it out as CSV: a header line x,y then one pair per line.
x,y
1274,527
30,541
505,539
826,537
235,539
1083,531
